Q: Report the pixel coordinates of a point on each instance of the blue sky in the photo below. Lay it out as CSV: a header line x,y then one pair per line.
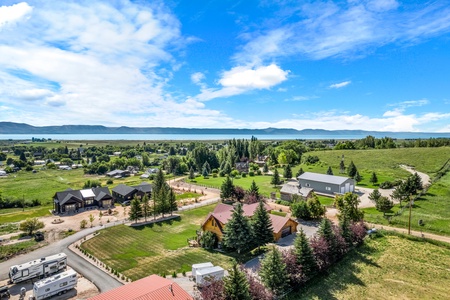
x,y
372,65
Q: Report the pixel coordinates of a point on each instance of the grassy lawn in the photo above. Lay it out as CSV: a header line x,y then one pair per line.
x,y
327,201
384,162
385,268
433,209
8,251
188,195
161,248
263,182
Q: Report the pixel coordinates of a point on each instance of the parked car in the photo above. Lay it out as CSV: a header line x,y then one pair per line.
x,y
4,292
126,203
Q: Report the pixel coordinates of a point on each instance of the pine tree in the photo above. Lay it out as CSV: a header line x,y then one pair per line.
x,y
342,167
262,226
227,188
205,172
384,204
207,167
273,272
329,171
22,156
352,170
254,190
146,208
265,168
172,202
304,254
418,185
236,286
299,172
191,173
373,178
162,204
357,177
287,172
375,195
326,232
238,231
275,178
159,182
135,210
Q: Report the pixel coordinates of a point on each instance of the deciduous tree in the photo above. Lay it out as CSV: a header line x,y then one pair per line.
x,y
347,205
31,225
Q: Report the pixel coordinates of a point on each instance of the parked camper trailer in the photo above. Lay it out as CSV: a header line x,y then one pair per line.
x,y
202,274
197,267
55,285
38,268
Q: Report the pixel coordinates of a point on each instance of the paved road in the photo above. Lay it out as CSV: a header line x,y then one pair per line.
x,y
102,280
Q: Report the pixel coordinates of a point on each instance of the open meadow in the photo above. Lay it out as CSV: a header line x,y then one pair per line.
x,y
433,209
388,267
154,249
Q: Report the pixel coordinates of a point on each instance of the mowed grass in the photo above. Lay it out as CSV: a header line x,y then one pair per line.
x,y
384,162
433,209
262,181
389,267
157,249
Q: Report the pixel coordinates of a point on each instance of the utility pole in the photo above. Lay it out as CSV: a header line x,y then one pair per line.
x,y
410,206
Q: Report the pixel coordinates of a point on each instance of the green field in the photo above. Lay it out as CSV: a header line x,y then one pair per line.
x,y
161,248
384,162
263,182
8,251
433,209
389,267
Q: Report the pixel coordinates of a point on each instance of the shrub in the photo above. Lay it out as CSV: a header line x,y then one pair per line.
x,y
258,172
109,181
244,175
222,173
251,173
234,173
184,273
174,274
214,175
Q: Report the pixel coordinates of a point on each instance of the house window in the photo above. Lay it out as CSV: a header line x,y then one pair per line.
x,y
47,290
328,188
213,223
63,284
307,184
25,273
88,202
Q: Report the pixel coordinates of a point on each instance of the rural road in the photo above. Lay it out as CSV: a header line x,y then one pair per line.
x,y
102,280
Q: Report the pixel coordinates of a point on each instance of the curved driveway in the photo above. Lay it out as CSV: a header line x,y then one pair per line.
x,y
102,280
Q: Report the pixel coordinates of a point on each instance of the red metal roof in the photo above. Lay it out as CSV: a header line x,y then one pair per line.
x,y
223,212
152,287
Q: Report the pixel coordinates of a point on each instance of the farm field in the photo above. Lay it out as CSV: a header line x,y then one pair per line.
x,y
385,268
433,209
161,248
384,162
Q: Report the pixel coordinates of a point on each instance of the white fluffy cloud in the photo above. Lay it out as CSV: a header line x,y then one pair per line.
x,y
242,79
339,85
11,14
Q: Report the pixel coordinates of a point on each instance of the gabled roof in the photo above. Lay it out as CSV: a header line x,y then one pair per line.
x,y
63,197
278,222
123,189
152,287
144,187
295,190
101,193
322,178
222,212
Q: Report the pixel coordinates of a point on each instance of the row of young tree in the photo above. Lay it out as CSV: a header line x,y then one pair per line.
x,y
231,192
281,272
163,201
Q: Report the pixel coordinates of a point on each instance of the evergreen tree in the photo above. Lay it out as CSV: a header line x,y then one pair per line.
x,y
357,177
207,167
265,168
384,204
273,272
254,190
373,178
342,167
287,172
22,156
329,171
162,204
227,168
326,232
191,173
159,182
205,172
299,172
227,189
146,208
275,178
238,231
418,185
135,210
94,159
375,195
346,232
172,202
262,226
236,286
304,254
352,170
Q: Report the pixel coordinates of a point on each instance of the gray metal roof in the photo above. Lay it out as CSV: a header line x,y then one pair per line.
x,y
295,190
322,178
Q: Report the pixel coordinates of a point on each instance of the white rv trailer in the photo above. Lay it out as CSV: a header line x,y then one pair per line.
x,y
197,267
55,285
42,267
211,272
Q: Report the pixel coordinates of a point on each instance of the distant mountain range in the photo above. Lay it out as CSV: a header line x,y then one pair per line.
x,y
20,128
